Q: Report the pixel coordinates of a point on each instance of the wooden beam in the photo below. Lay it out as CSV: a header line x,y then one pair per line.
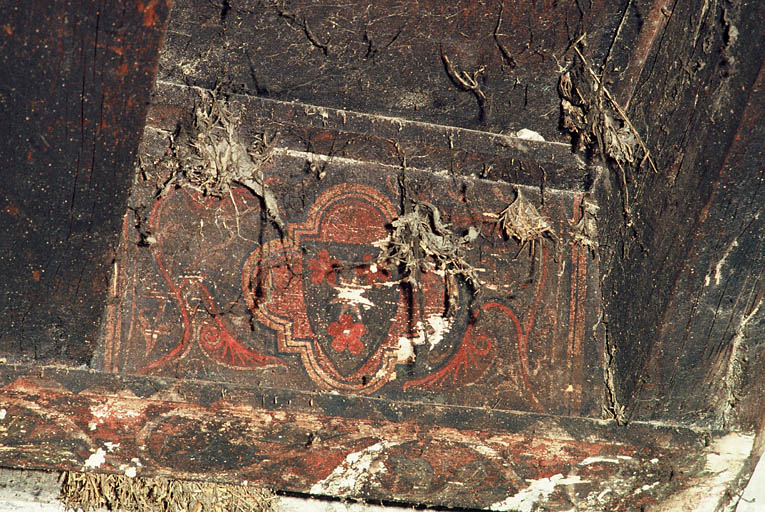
x,y
74,85
330,444
683,288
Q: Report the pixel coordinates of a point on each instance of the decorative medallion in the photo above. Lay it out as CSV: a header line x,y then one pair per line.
x,y
220,294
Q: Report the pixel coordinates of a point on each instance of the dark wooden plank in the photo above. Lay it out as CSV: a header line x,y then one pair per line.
x,y
387,58
683,287
718,375
74,83
304,442
387,140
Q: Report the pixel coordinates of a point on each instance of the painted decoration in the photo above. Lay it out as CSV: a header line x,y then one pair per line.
x,y
220,294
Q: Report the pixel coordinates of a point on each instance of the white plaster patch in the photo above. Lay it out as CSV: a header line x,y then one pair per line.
x,y
111,446
438,327
353,294
727,451
525,133
356,470
96,459
105,411
706,492
528,499
753,498
405,351
3,412
129,471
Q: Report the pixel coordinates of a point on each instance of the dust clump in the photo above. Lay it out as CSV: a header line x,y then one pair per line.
x,y
522,221
211,156
598,123
422,242
586,230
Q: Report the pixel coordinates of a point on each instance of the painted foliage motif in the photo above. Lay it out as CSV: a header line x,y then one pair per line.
x,y
220,294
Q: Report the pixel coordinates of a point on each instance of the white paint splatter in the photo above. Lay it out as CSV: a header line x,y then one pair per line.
x,y
405,351
486,451
111,446
438,327
357,469
603,494
719,266
381,374
96,459
353,294
527,499
100,411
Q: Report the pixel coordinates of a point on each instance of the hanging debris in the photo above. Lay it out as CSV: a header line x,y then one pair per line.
x,y
522,221
211,156
592,115
598,123
586,230
422,242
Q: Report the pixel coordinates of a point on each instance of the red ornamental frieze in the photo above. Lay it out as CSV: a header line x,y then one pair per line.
x,y
224,295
